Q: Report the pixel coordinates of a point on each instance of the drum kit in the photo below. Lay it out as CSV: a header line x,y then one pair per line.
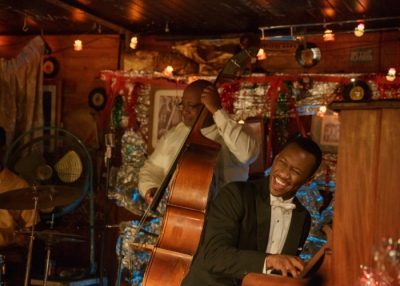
x,y
40,198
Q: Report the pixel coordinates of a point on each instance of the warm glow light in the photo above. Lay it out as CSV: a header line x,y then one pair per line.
x,y
133,43
328,35
391,74
78,45
168,71
359,30
261,55
328,12
322,110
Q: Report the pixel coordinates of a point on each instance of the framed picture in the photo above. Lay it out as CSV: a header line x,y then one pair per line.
x,y
52,103
165,113
325,131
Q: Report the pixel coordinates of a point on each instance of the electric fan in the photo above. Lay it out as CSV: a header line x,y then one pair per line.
x,y
52,157
59,169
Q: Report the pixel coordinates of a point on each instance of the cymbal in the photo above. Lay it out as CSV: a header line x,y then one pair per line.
x,y
48,196
53,236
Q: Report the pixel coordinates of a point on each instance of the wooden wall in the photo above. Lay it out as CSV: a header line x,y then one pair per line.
x,y
366,210
77,76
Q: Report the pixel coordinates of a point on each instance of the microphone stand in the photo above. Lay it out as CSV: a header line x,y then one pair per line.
x,y
29,259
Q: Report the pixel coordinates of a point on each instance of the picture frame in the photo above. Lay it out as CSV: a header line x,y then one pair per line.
x,y
325,131
52,103
165,112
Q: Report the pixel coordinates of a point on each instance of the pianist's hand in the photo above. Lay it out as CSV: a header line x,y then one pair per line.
x,y
285,263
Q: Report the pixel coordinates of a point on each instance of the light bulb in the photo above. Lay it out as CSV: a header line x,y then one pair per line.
x,y
261,55
168,71
133,43
78,45
359,30
328,35
391,74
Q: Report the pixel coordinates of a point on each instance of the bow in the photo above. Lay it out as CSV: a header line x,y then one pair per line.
x,y
281,204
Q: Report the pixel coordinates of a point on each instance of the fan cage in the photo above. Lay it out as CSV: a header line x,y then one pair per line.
x,y
50,144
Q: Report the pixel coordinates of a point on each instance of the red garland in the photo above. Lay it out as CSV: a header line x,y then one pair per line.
x,y
227,95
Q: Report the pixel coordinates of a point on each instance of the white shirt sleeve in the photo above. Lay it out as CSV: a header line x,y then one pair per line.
x,y
238,137
157,165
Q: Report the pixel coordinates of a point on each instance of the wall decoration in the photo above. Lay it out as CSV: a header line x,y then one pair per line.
x,y
165,113
50,67
330,130
97,98
308,55
325,130
52,103
357,91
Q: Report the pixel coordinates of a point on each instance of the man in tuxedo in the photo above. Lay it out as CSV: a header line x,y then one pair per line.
x,y
257,226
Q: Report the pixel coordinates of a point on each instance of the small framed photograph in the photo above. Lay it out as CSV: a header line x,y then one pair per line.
x,y
325,131
52,103
166,113
330,130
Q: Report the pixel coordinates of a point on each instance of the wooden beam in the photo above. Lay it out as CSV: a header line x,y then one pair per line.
x,y
118,28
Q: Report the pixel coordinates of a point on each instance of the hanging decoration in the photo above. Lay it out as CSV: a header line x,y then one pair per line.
x,y
133,153
50,67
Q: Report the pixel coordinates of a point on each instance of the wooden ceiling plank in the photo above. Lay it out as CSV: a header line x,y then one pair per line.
x,y
117,28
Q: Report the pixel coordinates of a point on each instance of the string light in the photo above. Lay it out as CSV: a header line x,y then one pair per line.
x,y
359,30
78,45
133,43
391,74
261,55
168,71
328,35
322,110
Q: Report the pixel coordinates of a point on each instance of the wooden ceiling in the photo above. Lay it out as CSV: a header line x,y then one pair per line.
x,y
191,18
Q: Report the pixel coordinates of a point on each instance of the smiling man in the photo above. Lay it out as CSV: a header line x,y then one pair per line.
x,y
257,226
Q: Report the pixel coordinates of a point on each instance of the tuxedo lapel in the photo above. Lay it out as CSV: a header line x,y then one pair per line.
x,y
263,212
295,230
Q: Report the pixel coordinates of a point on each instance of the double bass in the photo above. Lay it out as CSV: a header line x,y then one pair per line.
x,y
189,193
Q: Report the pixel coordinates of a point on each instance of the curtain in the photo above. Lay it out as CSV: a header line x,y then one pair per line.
x,y
21,90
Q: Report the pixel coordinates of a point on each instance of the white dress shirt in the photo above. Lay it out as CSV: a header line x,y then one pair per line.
x,y
279,227
239,148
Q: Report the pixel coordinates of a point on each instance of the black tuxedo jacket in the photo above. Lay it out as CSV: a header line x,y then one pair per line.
x,y
236,234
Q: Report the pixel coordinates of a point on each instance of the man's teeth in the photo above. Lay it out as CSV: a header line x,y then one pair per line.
x,y
279,181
